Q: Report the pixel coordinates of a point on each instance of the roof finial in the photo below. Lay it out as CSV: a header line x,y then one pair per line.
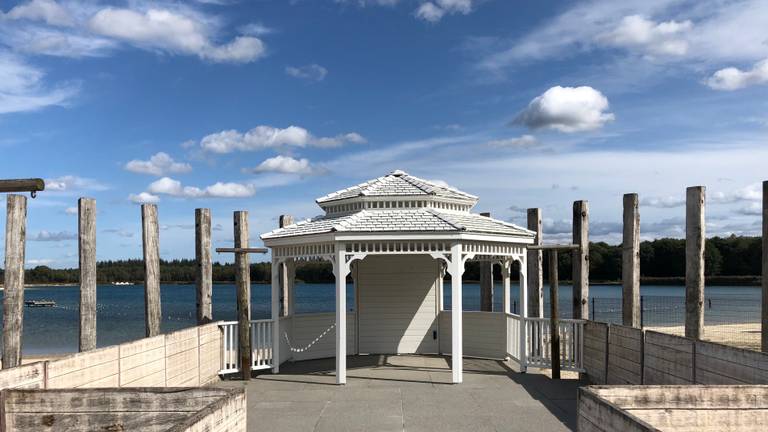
x,y
398,173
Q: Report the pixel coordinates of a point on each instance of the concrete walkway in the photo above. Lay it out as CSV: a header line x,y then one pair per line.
x,y
408,393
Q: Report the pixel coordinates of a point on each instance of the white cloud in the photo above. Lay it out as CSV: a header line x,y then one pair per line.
x,y
70,211
638,32
42,10
751,192
179,31
71,183
159,164
519,142
55,42
262,137
255,29
732,78
119,232
144,198
567,109
663,201
169,186
22,88
435,10
287,165
48,236
312,72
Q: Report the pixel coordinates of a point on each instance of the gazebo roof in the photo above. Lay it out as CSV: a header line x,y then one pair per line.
x,y
399,203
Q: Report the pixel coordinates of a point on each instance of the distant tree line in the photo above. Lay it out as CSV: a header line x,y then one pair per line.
x,y
662,258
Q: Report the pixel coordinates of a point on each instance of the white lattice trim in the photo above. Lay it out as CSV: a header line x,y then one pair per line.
x,y
314,251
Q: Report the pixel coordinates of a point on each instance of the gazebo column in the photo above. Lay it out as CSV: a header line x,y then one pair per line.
x,y
523,314
340,271
456,269
276,290
506,271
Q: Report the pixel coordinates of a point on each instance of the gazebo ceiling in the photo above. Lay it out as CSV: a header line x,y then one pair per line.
x,y
399,203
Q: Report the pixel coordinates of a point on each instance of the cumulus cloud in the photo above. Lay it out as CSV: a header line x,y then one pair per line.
x,y
262,137
159,164
663,201
524,141
169,186
42,10
49,236
638,32
732,78
70,211
287,165
435,10
312,72
144,198
22,88
71,183
567,109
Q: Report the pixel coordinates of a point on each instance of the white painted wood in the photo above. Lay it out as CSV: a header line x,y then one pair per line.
x,y
398,304
340,270
456,269
276,289
506,282
484,334
523,315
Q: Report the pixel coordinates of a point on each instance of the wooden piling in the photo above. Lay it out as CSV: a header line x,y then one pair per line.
x,y
554,315
151,244
486,282
86,230
630,262
765,269
13,297
285,276
204,273
581,260
694,261
535,267
243,284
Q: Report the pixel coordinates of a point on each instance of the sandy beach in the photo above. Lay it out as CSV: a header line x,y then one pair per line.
x,y
745,335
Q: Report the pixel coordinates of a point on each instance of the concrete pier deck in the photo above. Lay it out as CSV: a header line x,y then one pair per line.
x,y
408,393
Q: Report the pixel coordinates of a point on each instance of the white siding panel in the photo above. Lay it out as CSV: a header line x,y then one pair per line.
x,y
398,304
306,328
485,334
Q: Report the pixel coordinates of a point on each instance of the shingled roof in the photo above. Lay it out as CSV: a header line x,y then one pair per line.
x,y
401,184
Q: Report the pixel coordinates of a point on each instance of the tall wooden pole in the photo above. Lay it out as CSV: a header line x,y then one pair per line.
x,y
765,268
285,276
581,260
630,262
486,281
13,297
553,314
694,261
204,273
243,284
86,228
151,243
535,267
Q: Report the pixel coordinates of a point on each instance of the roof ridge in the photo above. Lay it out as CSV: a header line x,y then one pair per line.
x,y
346,220
442,217
435,185
408,178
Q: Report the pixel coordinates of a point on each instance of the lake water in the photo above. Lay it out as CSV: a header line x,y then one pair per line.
x,y
121,308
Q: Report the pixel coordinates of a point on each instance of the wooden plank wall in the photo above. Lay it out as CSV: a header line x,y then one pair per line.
x,y
668,359
720,364
625,355
226,415
596,351
188,357
485,334
598,415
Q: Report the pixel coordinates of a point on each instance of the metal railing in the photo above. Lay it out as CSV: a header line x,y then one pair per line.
x,y
538,335
261,346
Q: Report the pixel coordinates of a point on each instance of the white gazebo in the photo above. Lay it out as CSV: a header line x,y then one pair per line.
x,y
397,235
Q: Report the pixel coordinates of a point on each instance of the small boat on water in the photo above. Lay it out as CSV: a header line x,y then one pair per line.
x,y
40,303
122,283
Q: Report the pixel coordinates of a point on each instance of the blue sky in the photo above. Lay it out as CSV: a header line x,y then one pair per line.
x,y
265,105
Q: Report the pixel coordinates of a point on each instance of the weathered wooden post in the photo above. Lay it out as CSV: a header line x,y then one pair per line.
x,y
13,297
581,260
286,293
694,261
243,284
554,339
630,263
151,245
86,229
486,281
765,268
535,267
204,273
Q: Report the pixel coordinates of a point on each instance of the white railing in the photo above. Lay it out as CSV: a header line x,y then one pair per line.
x,y
261,346
513,337
539,353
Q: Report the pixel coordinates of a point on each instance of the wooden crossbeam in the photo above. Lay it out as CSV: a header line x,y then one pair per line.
x,y
22,185
242,250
